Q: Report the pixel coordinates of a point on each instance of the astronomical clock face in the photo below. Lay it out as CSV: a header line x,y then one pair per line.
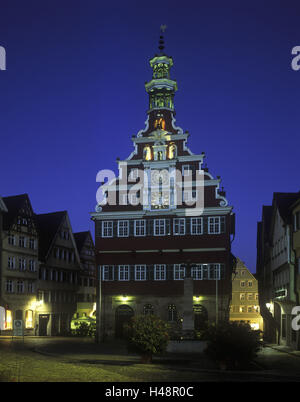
x,y
159,177
160,192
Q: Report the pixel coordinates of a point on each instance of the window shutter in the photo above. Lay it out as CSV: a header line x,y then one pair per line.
x,y
222,224
150,223
131,272
116,272
150,272
169,272
188,226
115,228
205,224
168,227
131,228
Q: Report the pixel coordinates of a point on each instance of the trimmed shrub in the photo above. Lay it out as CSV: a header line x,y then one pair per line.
x,y
147,335
233,344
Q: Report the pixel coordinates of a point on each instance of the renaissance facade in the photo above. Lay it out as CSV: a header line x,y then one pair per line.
x,y
164,228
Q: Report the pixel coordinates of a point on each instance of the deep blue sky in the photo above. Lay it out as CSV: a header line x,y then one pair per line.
x,y
73,94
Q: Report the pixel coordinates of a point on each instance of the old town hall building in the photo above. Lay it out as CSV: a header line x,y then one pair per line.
x,y
163,229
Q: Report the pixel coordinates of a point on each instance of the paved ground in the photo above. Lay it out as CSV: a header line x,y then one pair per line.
x,y
80,359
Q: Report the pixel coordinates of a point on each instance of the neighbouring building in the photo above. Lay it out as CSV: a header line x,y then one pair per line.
x,y
244,305
58,282
47,273
159,250
277,268
86,296
19,265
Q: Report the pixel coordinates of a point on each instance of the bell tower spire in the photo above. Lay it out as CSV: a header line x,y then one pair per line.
x,y
161,88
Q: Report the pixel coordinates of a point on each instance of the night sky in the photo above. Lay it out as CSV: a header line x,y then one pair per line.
x,y
73,95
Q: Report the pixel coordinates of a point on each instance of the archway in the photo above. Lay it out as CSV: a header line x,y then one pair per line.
x,y
123,316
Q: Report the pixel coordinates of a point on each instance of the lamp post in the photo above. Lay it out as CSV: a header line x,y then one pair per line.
x,y
99,306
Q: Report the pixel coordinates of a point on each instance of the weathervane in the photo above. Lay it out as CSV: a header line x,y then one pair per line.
x,y
161,38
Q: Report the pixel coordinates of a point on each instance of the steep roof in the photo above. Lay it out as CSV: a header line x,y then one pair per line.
x,y
283,202
14,204
80,238
48,226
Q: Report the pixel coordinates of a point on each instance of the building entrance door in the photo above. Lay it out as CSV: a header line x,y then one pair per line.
x,y
200,317
43,323
123,315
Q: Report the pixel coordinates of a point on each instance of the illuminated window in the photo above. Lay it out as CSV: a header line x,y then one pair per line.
x,y
29,319
250,283
8,319
147,153
172,151
242,284
242,296
160,123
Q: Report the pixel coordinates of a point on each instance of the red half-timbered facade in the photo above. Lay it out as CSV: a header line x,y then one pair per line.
x,y
162,220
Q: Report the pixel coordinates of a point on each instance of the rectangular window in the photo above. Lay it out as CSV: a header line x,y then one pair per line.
x,y
196,271
32,265
196,226
107,229
214,225
124,274
123,228
12,240
159,227
11,262
186,171
250,283
179,272
30,287
22,264
242,296
20,286
250,296
9,287
160,272
29,319
108,273
32,244
22,241
179,226
140,272
140,227
242,284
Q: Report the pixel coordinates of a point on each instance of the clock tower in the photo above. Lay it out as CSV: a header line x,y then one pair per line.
x,y
163,227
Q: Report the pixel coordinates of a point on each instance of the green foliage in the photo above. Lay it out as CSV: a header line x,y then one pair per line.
x,y
147,334
233,343
82,329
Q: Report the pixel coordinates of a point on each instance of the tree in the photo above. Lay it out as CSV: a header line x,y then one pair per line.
x,y
147,335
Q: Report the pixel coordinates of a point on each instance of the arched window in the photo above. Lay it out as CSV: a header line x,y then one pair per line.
x,y
172,312
147,153
148,309
172,151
